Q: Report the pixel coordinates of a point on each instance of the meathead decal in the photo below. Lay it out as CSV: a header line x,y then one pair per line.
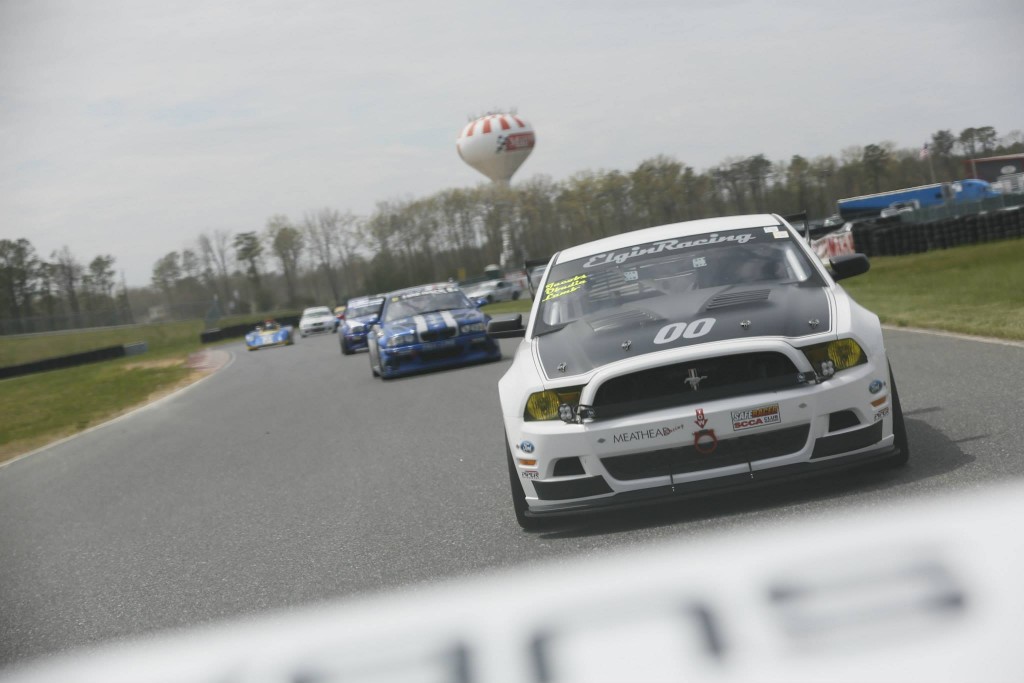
x,y
756,417
644,434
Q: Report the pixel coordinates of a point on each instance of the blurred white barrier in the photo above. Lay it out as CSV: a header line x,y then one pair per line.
x,y
927,591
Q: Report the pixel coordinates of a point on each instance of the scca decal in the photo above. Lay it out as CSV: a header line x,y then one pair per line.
x,y
692,330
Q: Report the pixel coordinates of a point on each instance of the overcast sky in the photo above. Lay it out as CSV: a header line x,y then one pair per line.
x,y
129,127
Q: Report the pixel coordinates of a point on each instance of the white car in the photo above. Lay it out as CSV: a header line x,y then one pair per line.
x,y
702,356
317,319
495,290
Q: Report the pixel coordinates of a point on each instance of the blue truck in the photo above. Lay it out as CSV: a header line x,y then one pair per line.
x,y
936,194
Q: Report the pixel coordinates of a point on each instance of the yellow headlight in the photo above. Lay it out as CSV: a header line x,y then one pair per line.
x,y
841,354
544,404
845,353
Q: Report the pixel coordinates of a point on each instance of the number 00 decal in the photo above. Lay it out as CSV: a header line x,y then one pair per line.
x,y
673,331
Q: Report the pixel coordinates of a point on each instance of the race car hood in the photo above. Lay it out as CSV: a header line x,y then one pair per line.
x,y
667,322
360,322
434,322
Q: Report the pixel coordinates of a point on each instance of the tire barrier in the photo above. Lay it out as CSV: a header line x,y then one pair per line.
x,y
72,360
889,237
234,331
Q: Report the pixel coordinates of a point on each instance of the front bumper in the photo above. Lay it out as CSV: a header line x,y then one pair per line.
x,y
355,341
716,485
461,350
705,448
316,328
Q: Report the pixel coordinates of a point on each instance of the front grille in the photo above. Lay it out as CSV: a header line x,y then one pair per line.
x,y
684,459
722,377
438,335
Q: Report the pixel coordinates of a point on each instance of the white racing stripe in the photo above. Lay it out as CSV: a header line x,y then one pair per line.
x,y
421,325
449,320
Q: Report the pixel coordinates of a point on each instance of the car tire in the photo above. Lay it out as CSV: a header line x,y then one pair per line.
x,y
519,504
515,296
345,351
490,299
899,427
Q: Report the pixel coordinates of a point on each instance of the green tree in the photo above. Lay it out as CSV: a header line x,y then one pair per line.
x,y
18,267
876,160
166,274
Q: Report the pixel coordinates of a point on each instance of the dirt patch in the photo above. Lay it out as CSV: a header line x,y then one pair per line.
x,y
161,363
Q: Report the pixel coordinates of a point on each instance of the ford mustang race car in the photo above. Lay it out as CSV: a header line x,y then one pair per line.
x,y
692,357
360,315
428,327
269,333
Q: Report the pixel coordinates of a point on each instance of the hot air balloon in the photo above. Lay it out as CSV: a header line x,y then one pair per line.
x,y
497,145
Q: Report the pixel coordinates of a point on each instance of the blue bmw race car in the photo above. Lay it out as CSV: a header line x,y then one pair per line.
x,y
360,314
428,327
270,333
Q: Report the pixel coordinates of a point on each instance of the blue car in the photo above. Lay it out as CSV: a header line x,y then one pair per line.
x,y
360,314
426,328
270,333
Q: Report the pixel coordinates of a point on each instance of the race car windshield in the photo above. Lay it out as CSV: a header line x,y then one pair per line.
x,y
425,302
640,276
360,310
313,312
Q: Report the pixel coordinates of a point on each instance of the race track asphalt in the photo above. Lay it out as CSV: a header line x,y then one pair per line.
x,y
292,477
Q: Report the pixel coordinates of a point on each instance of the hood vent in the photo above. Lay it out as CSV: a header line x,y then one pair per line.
x,y
749,296
624,320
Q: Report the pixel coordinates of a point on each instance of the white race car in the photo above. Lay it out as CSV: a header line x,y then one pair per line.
x,y
495,290
317,319
694,357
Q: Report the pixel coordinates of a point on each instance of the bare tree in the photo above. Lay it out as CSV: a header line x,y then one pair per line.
x,y
69,274
332,239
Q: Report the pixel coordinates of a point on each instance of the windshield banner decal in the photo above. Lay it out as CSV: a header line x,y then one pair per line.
x,y
664,245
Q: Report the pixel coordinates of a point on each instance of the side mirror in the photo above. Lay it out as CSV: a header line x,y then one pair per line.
x,y
480,301
849,265
508,328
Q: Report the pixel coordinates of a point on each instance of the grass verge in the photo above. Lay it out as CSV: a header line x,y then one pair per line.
x,y
163,340
43,407
976,289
